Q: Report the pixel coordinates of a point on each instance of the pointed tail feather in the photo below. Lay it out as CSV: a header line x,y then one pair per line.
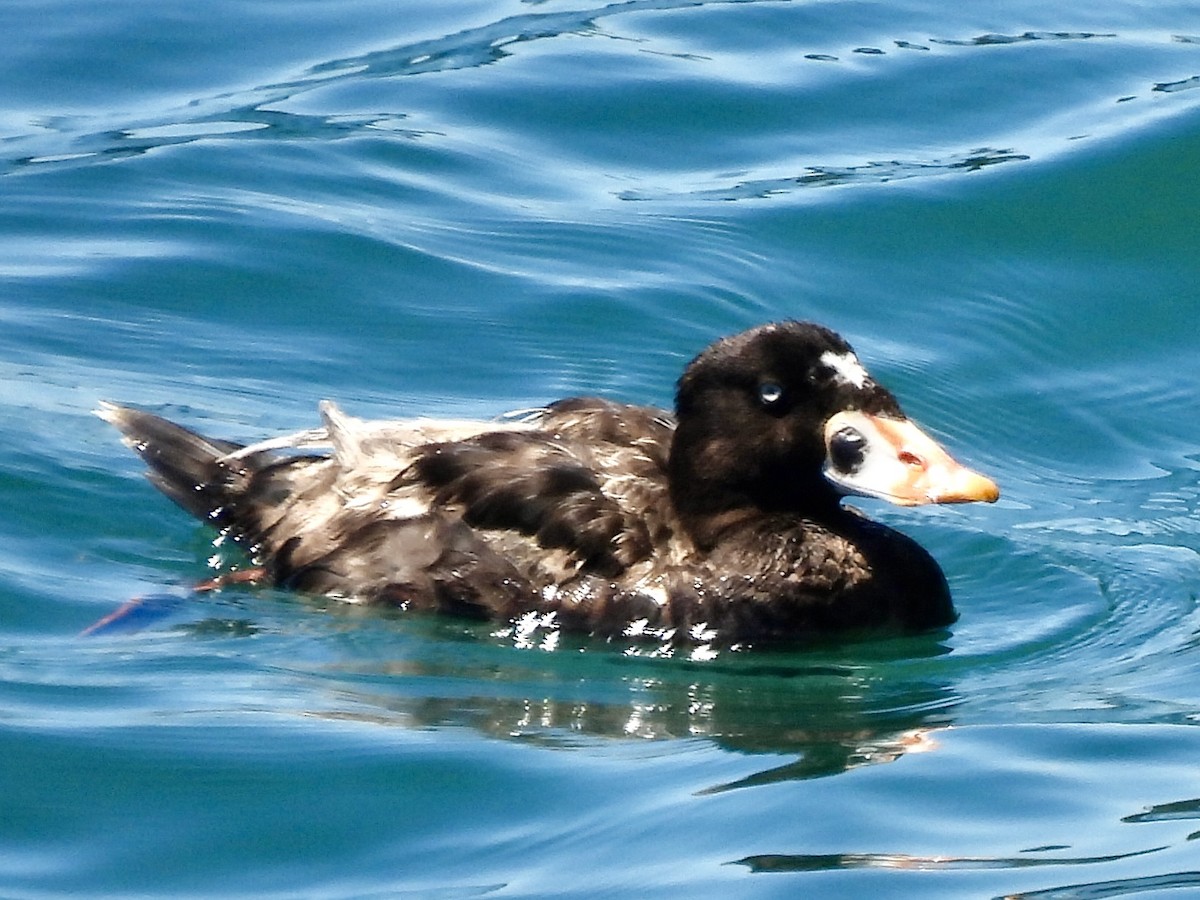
x,y
186,466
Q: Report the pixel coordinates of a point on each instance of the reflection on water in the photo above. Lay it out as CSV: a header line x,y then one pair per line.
x,y
827,176
1120,887
1166,812
984,40
820,862
1165,846
830,710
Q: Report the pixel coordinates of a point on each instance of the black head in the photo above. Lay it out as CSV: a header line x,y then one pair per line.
x,y
754,428
813,367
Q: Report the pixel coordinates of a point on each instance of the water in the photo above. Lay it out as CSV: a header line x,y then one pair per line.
x,y
227,211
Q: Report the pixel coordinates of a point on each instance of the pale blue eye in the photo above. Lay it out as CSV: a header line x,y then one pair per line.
x,y
770,393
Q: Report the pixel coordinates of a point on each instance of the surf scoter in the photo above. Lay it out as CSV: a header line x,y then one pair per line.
x,y
722,523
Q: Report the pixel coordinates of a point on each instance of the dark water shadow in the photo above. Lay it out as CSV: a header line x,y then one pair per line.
x,y
824,862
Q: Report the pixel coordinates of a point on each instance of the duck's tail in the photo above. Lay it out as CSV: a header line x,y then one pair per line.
x,y
197,473
191,469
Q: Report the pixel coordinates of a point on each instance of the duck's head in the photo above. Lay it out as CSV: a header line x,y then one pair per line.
x,y
785,418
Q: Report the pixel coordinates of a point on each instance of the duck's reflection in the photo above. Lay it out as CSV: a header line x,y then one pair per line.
x,y
833,709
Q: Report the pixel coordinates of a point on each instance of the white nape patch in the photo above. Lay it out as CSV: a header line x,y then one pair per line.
x,y
847,367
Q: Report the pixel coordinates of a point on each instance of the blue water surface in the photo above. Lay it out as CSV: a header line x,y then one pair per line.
x,y
228,211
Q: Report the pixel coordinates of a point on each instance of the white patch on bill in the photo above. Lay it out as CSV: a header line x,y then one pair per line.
x,y
847,368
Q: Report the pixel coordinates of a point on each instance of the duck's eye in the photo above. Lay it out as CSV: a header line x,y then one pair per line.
x,y
770,393
847,448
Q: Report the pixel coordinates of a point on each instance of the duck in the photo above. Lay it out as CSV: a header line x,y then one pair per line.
x,y
722,522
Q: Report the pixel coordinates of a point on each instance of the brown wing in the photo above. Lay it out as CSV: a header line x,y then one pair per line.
x,y
590,481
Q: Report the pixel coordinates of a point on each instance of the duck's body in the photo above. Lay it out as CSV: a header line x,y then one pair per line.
x,y
718,524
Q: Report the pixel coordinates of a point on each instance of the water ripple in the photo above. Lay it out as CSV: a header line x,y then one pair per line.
x,y
820,862
1119,887
987,40
826,176
253,113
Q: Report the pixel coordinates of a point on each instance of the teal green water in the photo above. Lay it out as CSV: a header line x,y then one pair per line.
x,y
229,211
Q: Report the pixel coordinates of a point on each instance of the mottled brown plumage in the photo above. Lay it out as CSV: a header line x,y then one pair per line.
x,y
718,525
